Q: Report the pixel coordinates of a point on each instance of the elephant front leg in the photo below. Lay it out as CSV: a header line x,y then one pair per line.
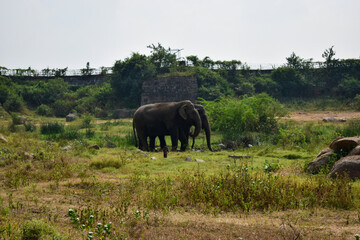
x,y
174,140
162,141
184,141
152,143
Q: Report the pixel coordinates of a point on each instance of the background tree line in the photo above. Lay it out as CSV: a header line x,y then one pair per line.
x,y
298,78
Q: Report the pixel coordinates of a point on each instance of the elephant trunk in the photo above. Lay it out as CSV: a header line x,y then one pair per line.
x,y
197,121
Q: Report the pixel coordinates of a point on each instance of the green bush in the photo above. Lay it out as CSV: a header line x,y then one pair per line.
x,y
36,229
237,117
356,102
70,133
61,107
52,128
14,103
44,110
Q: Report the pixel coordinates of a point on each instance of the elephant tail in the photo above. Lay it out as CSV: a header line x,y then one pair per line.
x,y
134,130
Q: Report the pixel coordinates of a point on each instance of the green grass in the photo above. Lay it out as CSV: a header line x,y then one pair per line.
x,y
123,185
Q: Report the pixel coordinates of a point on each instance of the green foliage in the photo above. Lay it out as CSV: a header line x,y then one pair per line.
x,y
45,92
351,128
356,102
13,103
128,76
62,107
37,229
211,84
270,167
44,110
108,163
348,87
52,128
234,117
162,58
290,81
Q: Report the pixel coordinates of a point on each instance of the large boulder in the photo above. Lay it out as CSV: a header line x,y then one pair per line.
x,y
349,165
344,143
321,160
355,151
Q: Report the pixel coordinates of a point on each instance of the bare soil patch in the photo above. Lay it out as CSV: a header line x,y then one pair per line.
x,y
319,116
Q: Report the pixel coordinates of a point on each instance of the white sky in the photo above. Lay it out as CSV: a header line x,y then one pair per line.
x,y
69,33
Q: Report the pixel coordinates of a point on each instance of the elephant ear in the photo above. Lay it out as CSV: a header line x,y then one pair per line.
x,y
182,111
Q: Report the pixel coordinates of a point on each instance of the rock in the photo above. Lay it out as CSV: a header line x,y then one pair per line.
x,y
344,143
95,146
2,139
70,117
349,165
66,148
153,158
25,155
355,151
333,119
189,159
322,160
199,160
142,152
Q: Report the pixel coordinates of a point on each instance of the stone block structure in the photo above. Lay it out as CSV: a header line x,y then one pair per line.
x,y
169,89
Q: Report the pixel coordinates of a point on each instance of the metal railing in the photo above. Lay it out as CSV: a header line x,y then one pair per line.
x,y
55,72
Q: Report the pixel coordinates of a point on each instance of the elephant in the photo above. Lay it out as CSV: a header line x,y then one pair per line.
x,y
160,119
185,132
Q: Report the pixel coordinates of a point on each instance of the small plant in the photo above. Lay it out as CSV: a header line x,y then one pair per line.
x,y
270,167
36,229
30,127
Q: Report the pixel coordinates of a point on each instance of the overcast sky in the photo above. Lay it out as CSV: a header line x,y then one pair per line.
x,y
70,33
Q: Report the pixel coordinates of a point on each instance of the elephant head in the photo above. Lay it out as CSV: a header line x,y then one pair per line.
x,y
205,125
190,115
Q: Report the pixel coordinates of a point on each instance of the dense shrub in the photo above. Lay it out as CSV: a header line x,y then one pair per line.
x,y
236,117
62,107
52,128
37,229
44,110
14,103
45,92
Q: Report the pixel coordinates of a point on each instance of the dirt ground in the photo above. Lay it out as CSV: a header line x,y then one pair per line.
x,y
319,116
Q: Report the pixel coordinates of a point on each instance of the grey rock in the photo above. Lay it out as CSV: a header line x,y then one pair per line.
x,y
66,148
70,117
349,165
95,146
142,152
322,160
153,158
334,119
189,159
2,139
355,151
199,160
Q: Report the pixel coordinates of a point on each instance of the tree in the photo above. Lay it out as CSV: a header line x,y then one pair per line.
x,y
162,58
328,55
128,76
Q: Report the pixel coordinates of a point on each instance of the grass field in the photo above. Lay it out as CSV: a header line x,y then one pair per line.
x,y
118,192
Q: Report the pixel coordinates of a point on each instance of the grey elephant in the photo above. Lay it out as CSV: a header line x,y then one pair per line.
x,y
160,119
184,132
